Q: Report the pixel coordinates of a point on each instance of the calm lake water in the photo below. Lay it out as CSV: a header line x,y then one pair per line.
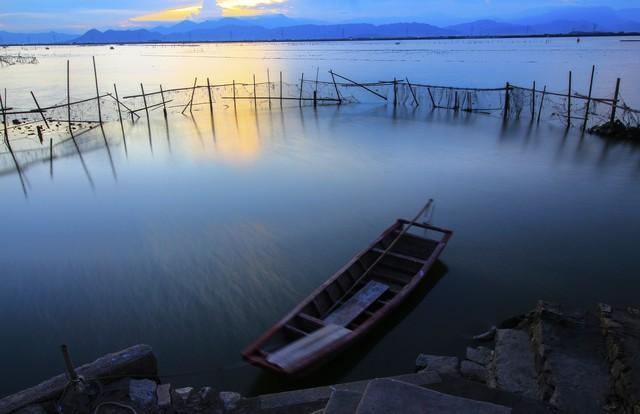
x,y
199,239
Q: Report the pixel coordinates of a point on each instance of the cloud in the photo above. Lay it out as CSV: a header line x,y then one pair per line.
x,y
250,7
170,15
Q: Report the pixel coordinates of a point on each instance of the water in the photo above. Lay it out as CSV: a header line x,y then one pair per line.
x,y
196,241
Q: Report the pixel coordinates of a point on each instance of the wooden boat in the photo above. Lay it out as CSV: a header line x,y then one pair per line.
x,y
353,301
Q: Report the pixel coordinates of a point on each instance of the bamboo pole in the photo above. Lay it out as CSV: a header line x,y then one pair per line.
x,y
433,101
506,101
95,74
269,86
335,85
164,103
301,87
533,102
382,255
415,100
69,101
255,99
234,95
395,92
190,104
146,109
616,94
280,89
210,100
115,90
40,110
544,92
357,84
569,102
586,112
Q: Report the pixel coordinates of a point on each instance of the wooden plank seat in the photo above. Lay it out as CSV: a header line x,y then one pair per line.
x,y
353,307
289,357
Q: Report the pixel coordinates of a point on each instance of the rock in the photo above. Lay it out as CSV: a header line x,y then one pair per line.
x,y
32,409
474,371
480,355
513,366
384,396
439,364
229,399
604,308
142,392
486,336
163,393
343,402
183,394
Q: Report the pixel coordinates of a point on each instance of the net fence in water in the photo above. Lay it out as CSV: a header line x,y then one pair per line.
x,y
31,133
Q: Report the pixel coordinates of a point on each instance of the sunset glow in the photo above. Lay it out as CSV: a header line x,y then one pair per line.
x,y
170,15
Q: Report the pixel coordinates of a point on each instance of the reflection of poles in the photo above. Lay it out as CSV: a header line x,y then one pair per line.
x,y
269,87
95,74
569,103
255,97
4,120
301,87
69,102
533,101
124,139
586,112
73,138
51,157
280,89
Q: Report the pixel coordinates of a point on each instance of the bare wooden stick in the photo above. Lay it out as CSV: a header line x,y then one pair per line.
x,y
415,100
164,103
40,110
146,108
269,87
569,102
615,101
544,92
234,95
533,101
95,74
255,100
358,84
69,101
335,85
115,90
395,92
506,101
190,104
280,89
4,121
301,87
586,112
433,102
210,100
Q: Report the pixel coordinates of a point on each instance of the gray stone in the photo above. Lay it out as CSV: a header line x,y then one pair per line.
x,y
183,393
604,308
229,399
207,395
142,392
163,394
439,364
343,402
513,366
486,336
480,355
384,396
474,371
32,409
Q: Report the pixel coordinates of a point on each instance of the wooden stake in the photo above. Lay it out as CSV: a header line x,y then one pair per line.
x,y
433,101
164,103
357,84
95,74
115,90
533,101
395,92
315,99
4,120
301,87
586,112
69,101
615,101
280,89
146,109
234,95
506,100
255,96
544,91
210,100
40,110
269,87
193,91
415,100
455,102
569,103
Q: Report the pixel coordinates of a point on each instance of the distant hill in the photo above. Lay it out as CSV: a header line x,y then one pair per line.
x,y
31,38
561,20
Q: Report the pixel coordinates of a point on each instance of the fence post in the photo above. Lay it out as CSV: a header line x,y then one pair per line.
x,y
335,85
164,103
234,95
255,97
586,112
506,100
569,103
533,101
210,100
280,89
95,74
395,92
301,87
544,92
269,87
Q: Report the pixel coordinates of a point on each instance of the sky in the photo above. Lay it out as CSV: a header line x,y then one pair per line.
x,y
77,16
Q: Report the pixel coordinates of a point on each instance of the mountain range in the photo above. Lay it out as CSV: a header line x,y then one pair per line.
x,y
564,20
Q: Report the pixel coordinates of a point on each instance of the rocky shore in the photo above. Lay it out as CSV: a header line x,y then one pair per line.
x,y
551,360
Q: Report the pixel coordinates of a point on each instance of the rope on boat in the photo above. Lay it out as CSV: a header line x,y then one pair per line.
x,y
387,250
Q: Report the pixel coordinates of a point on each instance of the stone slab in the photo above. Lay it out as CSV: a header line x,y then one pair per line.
x,y
438,363
513,366
343,402
384,396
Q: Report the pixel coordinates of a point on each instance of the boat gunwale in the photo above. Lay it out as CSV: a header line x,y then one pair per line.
x,y
249,353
